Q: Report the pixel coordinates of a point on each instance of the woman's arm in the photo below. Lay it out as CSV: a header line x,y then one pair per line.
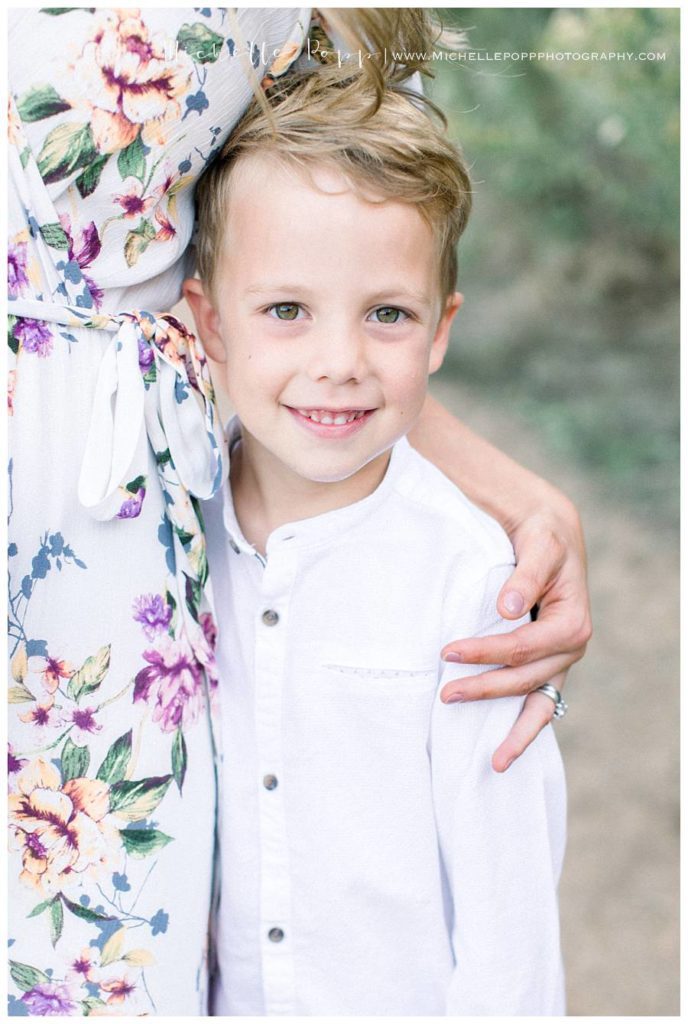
x,y
546,533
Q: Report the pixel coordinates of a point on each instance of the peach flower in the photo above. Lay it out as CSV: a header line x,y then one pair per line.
x,y
63,830
129,81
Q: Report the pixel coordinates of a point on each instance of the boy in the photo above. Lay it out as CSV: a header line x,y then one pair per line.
x,y
371,860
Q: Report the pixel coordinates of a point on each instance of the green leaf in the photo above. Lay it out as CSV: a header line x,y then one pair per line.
x,y
201,44
54,11
55,236
87,182
91,1003
162,458
12,342
84,913
137,241
179,758
40,102
193,593
135,485
90,675
19,694
25,977
67,148
56,921
140,842
131,162
74,761
134,801
40,907
113,948
116,761
24,157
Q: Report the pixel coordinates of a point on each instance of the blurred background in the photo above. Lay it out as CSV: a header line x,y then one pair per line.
x,y
565,355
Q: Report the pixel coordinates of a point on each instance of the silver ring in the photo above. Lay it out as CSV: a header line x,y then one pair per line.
x,y
560,705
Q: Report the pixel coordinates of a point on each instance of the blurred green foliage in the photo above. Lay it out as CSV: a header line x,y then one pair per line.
x,y
570,261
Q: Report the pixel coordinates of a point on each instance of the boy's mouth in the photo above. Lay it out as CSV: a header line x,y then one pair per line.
x,y
332,417
331,422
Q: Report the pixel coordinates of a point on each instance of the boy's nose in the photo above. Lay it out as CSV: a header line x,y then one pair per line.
x,y
338,355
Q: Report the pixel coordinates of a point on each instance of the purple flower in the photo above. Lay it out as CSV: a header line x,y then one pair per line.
x,y
14,763
83,252
146,356
17,279
90,246
84,723
14,766
131,508
172,683
209,629
153,614
34,335
50,999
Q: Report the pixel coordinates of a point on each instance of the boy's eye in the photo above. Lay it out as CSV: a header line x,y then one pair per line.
x,y
388,315
285,310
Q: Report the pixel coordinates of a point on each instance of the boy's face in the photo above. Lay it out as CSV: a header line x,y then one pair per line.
x,y
327,318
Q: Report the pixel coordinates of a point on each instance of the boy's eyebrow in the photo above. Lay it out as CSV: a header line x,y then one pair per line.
x,y
269,286
381,295
390,294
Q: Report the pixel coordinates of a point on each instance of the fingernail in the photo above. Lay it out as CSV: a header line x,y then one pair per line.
x,y
453,656
514,603
455,698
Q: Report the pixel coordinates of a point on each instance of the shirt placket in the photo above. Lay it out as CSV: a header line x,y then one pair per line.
x,y
276,938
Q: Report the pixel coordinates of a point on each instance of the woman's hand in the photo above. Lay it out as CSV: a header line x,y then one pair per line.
x,y
546,533
550,572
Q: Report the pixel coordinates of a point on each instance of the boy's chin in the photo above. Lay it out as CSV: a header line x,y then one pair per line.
x,y
331,473
328,475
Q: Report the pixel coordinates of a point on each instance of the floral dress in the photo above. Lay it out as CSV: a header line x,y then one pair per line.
x,y
114,439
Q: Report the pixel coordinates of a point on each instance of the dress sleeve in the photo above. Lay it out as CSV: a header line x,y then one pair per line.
x,y
501,839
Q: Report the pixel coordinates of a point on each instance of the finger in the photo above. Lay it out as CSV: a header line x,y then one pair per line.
x,y
551,634
536,713
540,558
504,682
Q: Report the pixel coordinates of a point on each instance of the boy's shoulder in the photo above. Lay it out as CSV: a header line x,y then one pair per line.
x,y
451,522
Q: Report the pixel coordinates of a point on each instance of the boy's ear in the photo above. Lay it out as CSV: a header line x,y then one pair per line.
x,y
441,339
206,319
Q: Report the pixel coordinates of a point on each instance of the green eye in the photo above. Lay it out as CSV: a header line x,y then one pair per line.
x,y
388,315
285,310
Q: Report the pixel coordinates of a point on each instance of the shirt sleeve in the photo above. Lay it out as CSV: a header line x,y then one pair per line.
x,y
501,839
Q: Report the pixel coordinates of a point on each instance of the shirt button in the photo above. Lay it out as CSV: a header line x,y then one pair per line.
x,y
270,617
234,546
270,781
275,935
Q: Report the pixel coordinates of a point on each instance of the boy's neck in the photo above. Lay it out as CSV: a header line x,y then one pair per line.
x,y
267,493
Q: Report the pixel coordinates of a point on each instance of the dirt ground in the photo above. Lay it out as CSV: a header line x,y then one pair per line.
x,y
619,892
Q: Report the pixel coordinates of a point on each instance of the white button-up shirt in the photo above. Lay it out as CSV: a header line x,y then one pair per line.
x,y
372,862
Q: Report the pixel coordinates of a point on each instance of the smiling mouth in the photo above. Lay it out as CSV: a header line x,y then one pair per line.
x,y
332,417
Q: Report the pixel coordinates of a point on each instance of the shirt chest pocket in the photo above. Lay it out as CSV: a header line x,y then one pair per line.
x,y
375,682
371,713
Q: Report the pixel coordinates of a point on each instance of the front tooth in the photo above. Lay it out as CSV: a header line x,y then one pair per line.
x,y
341,419
326,419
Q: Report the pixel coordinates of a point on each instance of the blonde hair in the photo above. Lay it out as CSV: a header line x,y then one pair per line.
x,y
382,34
398,151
